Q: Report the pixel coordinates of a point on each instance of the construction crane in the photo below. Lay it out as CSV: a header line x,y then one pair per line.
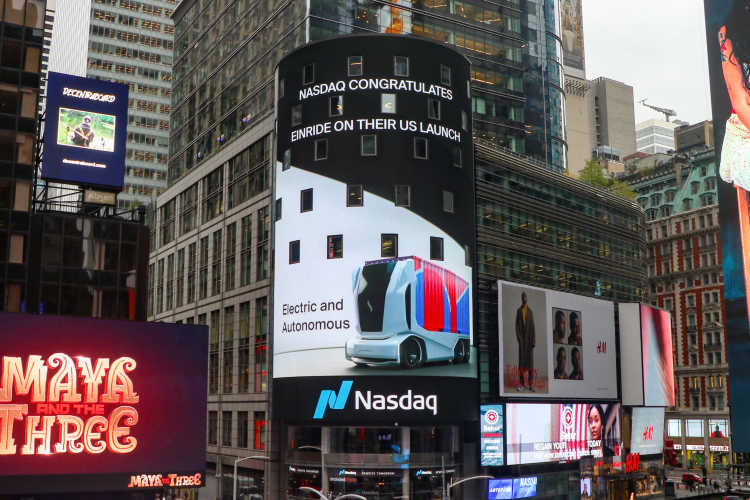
x,y
667,112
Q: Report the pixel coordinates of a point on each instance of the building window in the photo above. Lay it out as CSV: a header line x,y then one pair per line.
x,y
402,195
287,159
436,248
259,442
213,427
296,115
213,351
306,200
457,157
421,150
433,109
226,428
321,149
203,275
294,252
388,103
445,74
228,340
308,74
261,346
277,210
389,245
216,264
335,246
694,359
674,428
354,195
336,105
694,428
245,253
263,232
354,66
369,145
401,66
243,355
242,429
230,258
448,201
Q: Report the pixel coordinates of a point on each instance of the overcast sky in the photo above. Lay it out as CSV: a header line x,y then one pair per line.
x,y
656,46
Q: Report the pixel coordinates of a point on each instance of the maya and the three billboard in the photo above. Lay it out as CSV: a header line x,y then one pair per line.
x,y
96,405
85,131
728,40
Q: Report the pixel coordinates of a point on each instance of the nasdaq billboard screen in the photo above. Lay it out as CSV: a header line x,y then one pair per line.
x,y
97,405
85,131
373,276
728,39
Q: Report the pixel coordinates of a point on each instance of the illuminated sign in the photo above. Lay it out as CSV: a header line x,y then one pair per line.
x,y
491,437
519,487
97,403
165,480
633,463
60,402
376,84
373,401
85,131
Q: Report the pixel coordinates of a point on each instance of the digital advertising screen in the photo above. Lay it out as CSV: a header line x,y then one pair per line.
x,y
647,431
519,487
571,18
98,405
552,432
646,355
373,275
727,35
85,131
555,344
491,435
586,488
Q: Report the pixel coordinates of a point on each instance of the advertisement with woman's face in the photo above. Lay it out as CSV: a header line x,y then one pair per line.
x,y
561,432
728,38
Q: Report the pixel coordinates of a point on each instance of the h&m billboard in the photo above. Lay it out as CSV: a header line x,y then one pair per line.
x,y
85,131
555,344
96,405
728,39
374,213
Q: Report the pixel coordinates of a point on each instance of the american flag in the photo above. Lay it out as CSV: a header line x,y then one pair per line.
x,y
573,429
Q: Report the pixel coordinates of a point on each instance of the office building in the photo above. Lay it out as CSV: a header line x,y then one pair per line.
x,y
601,120
698,135
21,38
685,277
655,136
131,42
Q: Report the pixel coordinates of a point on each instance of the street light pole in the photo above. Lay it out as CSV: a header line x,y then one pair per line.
x,y
452,484
323,497
234,478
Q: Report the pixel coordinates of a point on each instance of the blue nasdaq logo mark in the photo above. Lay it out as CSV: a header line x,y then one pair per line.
x,y
329,399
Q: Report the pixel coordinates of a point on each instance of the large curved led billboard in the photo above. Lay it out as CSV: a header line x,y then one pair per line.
x,y
96,405
374,219
727,35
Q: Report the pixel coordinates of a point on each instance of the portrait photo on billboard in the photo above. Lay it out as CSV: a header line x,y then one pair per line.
x,y
555,343
572,34
99,405
658,362
372,272
84,131
728,40
561,432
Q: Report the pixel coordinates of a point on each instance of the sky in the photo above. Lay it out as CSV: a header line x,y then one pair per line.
x,y
656,46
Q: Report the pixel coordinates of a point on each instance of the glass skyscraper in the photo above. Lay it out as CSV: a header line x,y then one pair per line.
x,y
226,51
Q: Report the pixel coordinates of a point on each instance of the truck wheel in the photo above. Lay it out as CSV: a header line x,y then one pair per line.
x,y
467,351
459,352
410,353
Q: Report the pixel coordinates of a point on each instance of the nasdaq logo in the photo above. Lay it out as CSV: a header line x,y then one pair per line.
x,y
329,399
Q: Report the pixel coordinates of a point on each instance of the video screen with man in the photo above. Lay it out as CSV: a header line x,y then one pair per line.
x,y
84,129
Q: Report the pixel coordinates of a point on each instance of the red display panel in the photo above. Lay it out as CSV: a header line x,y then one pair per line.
x,y
100,405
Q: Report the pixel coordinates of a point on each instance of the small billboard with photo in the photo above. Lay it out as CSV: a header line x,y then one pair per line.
x,y
85,129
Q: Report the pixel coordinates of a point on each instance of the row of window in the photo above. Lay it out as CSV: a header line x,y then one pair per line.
x,y
183,284
355,67
388,247
717,428
368,146
146,41
137,6
130,21
242,431
402,196
680,226
130,53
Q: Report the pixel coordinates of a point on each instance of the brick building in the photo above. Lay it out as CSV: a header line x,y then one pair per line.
x,y
683,260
